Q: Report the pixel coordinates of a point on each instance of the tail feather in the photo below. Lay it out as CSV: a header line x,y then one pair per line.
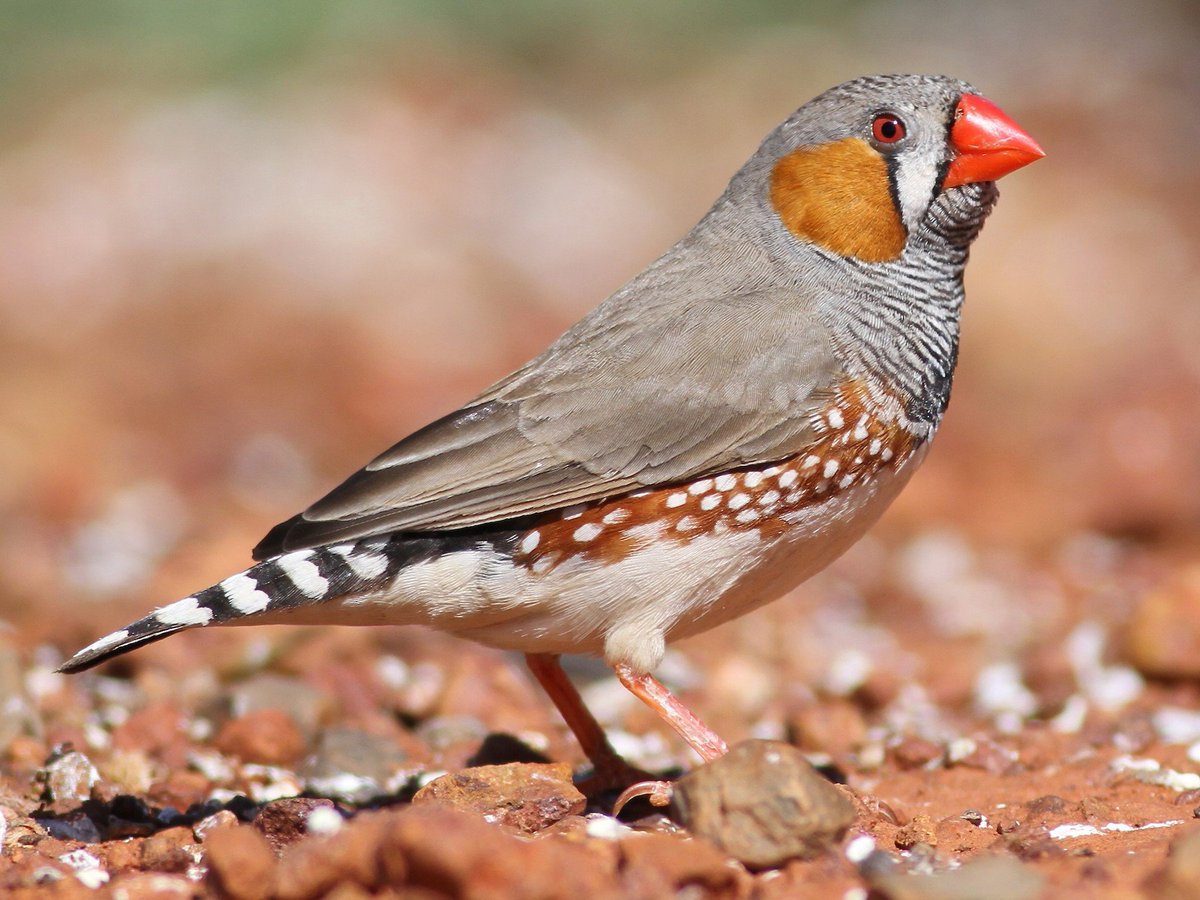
x,y
274,586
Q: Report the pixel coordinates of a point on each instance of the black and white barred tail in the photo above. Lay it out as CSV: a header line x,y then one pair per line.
x,y
278,589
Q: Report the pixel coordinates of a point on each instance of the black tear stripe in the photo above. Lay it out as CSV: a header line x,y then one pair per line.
x,y
891,160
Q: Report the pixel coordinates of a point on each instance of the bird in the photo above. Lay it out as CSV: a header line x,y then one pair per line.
x,y
716,431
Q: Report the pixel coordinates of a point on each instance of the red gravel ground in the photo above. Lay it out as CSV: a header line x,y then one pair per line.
x,y
215,308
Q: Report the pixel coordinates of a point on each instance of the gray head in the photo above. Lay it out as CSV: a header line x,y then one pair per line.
x,y
856,170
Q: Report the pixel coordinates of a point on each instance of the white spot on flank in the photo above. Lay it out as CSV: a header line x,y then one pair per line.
x,y
104,643
746,516
187,611
530,541
737,501
543,563
860,431
616,516
886,454
788,478
574,512
304,574
726,482
831,466
771,471
585,533
836,421
875,446
711,501
846,480
687,523
793,497
810,461
701,486
769,498
244,595
676,500
752,479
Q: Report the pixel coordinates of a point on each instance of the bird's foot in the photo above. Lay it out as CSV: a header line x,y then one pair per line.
x,y
657,792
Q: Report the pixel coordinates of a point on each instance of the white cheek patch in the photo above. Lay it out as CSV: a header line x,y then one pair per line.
x,y
917,171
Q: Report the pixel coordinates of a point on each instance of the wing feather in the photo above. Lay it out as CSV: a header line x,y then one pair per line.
x,y
628,398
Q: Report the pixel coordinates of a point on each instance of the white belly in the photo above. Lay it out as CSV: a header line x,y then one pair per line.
x,y
625,610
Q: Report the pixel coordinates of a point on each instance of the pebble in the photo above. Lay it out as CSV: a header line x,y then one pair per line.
x,y
284,822
524,796
70,777
353,765
241,864
916,753
303,704
431,850
660,865
206,826
1163,635
982,878
170,850
267,736
835,726
763,804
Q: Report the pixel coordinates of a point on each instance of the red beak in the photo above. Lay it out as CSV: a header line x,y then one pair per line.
x,y
988,143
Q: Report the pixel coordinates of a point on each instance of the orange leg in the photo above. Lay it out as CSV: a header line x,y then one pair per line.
x,y
651,691
549,673
611,771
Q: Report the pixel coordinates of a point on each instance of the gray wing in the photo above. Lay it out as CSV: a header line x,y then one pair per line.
x,y
629,397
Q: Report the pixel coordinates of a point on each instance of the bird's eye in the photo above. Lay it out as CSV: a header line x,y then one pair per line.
x,y
888,129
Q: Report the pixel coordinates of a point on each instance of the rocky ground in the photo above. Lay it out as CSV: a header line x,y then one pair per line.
x,y
214,305
296,763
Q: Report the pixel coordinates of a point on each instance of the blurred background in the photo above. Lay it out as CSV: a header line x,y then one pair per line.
x,y
246,246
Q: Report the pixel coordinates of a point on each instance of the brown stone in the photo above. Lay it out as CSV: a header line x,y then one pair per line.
x,y
117,856
241,864
167,850
916,753
524,796
354,856
180,789
283,822
220,819
158,730
685,865
832,726
455,853
763,804
266,736
1163,635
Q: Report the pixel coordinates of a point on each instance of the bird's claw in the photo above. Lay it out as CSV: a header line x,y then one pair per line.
x,y
658,792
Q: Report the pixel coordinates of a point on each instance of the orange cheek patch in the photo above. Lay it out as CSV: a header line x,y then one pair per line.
x,y
837,196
